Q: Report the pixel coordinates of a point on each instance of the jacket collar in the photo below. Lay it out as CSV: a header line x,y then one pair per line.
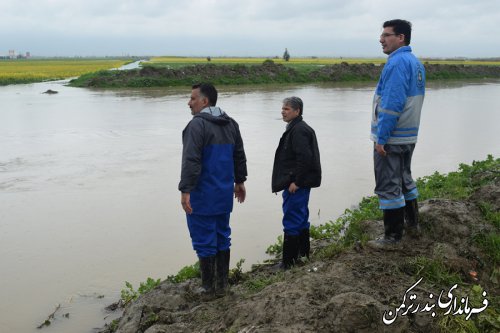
x,y
293,123
402,49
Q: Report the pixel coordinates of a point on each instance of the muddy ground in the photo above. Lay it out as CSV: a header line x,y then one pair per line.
x,y
348,292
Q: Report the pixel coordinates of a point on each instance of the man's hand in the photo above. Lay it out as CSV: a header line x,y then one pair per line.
x,y
293,188
186,202
240,192
380,149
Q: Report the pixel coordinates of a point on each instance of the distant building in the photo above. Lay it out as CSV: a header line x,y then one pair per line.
x,y
12,54
28,54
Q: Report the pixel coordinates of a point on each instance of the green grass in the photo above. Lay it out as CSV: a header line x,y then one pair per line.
x,y
490,243
459,184
433,271
257,284
489,214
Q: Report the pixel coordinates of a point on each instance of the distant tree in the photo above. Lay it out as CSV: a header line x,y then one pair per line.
x,y
286,55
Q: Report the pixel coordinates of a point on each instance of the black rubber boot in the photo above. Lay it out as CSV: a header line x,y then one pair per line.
x,y
412,219
393,229
290,250
222,263
396,220
387,225
207,269
304,243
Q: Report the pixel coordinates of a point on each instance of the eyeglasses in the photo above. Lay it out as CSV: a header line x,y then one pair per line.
x,y
385,35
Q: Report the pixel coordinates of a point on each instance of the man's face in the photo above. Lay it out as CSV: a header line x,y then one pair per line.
x,y
390,41
288,113
197,102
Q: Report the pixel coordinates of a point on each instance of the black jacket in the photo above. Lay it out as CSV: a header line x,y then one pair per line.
x,y
297,158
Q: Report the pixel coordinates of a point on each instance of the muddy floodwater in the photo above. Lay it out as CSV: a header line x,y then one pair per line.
x,y
88,181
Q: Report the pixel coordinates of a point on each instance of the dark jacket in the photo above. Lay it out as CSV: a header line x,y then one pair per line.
x,y
213,159
297,158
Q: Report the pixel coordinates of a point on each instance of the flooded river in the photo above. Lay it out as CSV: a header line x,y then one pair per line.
x,y
88,181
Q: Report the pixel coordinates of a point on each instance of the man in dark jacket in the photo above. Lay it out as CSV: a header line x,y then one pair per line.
x,y
297,168
213,168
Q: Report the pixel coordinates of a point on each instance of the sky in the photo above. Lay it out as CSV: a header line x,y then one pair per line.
x,y
257,28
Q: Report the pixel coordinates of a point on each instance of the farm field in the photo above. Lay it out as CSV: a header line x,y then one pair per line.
x,y
184,61
176,62
36,70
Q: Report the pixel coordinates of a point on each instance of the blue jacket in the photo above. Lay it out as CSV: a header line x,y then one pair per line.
x,y
398,99
213,159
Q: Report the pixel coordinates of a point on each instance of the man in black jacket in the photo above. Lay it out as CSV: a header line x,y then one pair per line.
x,y
297,168
213,170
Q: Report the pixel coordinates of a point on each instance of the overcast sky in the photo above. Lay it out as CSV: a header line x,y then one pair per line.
x,y
334,28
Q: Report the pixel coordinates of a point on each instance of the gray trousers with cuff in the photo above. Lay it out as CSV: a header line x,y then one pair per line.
x,y
393,181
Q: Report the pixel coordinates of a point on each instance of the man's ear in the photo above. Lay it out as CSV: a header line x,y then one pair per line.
x,y
206,102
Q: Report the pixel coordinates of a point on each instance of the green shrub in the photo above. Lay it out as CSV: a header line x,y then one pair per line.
x,y
186,273
128,294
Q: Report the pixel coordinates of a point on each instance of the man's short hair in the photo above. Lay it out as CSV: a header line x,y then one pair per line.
x,y
400,27
295,103
207,90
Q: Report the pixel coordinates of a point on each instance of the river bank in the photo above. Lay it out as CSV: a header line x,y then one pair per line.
x,y
265,73
448,277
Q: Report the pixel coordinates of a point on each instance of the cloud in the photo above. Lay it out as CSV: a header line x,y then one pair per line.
x,y
224,27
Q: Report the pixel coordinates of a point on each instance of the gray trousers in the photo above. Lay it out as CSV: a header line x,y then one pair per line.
x,y
393,181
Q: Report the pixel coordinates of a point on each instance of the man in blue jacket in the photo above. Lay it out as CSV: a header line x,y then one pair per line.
x,y
213,168
395,123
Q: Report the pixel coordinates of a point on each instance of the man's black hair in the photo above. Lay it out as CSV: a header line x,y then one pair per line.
x,y
207,90
400,27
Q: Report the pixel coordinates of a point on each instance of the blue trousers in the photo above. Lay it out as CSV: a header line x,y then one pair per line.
x,y
209,233
296,211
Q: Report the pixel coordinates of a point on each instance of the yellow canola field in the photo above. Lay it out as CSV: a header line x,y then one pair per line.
x,y
251,61
307,61
40,70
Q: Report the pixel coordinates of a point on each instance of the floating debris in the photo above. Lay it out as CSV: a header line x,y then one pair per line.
x,y
51,317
